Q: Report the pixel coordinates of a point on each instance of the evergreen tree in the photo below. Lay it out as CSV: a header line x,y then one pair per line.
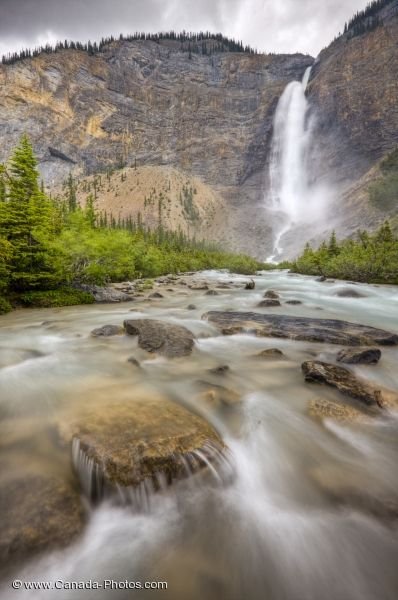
x,y
26,220
333,247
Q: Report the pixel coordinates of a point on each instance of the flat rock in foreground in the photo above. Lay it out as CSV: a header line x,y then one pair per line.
x,y
125,444
38,512
307,329
164,338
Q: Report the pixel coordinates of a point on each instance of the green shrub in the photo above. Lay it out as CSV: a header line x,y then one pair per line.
x,y
5,306
53,298
369,258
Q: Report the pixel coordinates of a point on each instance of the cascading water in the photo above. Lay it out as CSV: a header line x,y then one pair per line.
x,y
289,177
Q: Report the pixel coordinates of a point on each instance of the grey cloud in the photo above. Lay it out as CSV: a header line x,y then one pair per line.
x,y
269,25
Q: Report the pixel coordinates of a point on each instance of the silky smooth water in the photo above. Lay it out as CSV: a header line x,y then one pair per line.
x,y
273,530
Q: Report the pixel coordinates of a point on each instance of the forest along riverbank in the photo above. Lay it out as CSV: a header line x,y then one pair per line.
x,y
271,410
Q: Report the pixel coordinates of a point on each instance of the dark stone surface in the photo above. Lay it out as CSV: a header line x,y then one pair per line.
x,y
268,303
364,356
308,329
221,370
316,371
107,331
270,353
349,293
164,338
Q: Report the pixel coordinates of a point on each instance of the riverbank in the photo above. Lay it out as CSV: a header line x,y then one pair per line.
x,y
264,449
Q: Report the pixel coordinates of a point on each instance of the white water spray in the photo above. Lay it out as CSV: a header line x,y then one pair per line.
x,y
288,167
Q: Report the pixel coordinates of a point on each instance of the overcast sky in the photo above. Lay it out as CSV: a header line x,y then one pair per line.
x,y
268,25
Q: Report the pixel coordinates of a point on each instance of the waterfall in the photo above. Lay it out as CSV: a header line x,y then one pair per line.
x,y
289,178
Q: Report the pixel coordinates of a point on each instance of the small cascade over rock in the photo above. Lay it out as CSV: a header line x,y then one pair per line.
x,y
132,450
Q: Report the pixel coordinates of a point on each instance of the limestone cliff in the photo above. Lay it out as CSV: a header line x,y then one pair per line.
x,y
149,103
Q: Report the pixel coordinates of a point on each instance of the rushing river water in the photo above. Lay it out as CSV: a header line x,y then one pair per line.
x,y
273,531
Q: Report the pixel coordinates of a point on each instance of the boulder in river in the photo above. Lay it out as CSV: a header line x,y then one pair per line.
x,y
156,295
198,286
107,331
191,307
307,329
271,294
270,353
268,303
147,440
349,293
316,371
211,293
250,285
293,302
363,356
164,338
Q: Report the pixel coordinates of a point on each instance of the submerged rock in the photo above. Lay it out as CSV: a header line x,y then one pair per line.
x,y
191,307
270,353
37,512
293,302
271,294
363,356
107,331
349,293
156,295
146,440
316,371
211,293
322,408
308,329
350,487
198,286
216,396
133,361
321,279
164,338
221,370
268,303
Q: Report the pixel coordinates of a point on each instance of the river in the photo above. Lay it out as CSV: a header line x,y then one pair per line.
x,y
273,530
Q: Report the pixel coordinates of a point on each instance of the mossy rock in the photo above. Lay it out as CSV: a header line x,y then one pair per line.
x,y
127,443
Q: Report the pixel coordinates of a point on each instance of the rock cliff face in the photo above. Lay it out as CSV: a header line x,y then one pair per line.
x,y
149,103
353,94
